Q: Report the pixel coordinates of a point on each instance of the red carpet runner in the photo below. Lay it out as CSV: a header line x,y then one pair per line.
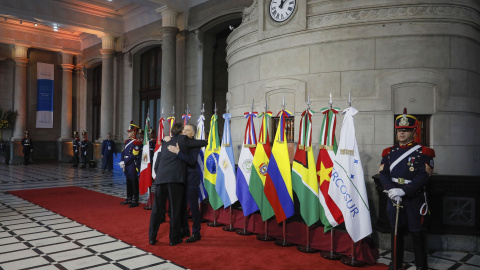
x,y
217,249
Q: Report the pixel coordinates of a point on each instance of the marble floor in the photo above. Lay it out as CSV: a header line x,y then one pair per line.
x,y
32,237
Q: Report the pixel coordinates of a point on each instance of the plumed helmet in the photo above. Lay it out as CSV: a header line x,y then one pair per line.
x,y
133,127
405,120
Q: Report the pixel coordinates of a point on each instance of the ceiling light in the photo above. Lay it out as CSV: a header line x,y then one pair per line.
x,y
55,27
35,25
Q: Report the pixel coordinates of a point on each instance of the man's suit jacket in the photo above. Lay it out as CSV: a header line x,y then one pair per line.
x,y
168,167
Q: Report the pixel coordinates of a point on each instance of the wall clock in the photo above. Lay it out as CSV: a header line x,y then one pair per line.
x,y
281,10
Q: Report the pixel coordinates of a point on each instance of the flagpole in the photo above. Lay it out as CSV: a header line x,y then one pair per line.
x,y
283,242
265,237
244,230
214,223
331,255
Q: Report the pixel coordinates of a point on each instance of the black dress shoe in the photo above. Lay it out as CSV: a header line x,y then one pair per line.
x,y
127,201
176,242
147,208
133,204
152,242
194,238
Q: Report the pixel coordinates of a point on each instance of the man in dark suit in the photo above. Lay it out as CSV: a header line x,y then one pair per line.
x,y
84,149
170,182
108,148
27,148
76,148
192,188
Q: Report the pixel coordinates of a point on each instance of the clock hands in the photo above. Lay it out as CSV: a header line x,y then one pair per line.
x,y
281,4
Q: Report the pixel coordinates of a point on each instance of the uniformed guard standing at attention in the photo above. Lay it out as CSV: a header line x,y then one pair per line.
x,y
27,148
84,149
405,171
130,163
76,148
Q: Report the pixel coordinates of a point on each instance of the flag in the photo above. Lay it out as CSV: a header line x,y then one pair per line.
x,y
347,187
200,135
304,175
158,144
145,180
245,166
210,165
171,122
278,183
186,117
330,214
226,179
259,171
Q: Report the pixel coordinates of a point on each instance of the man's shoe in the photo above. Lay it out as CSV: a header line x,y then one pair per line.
x,y
194,238
147,207
152,242
127,201
176,242
133,204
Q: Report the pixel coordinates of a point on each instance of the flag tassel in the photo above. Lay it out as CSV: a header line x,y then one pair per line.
x,y
265,237
351,261
283,242
331,255
244,230
230,228
214,223
307,248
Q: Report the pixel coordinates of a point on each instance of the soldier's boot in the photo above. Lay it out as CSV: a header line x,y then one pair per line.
x,y
399,249
420,250
127,201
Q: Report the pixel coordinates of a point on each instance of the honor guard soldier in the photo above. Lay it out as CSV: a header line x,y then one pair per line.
x,y
84,149
76,148
140,135
405,171
27,148
130,163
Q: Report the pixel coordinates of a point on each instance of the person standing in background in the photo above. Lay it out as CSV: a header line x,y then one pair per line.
x,y
27,148
108,148
84,149
130,162
76,148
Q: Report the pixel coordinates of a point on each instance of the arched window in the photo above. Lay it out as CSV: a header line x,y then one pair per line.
x,y
150,85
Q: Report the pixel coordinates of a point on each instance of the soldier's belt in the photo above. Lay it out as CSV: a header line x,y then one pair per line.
x,y
401,180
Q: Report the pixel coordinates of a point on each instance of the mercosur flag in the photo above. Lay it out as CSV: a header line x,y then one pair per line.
x,y
347,187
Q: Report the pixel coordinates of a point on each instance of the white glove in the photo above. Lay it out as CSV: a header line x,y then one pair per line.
x,y
395,192
122,164
397,199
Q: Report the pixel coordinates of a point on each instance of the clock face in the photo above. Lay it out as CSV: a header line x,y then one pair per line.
x,y
281,10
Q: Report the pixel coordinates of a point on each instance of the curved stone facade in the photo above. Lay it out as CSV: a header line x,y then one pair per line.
x,y
389,54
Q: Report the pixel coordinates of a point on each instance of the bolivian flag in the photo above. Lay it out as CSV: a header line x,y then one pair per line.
x,y
259,170
278,183
211,160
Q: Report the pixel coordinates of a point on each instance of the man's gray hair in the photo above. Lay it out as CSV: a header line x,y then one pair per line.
x,y
194,128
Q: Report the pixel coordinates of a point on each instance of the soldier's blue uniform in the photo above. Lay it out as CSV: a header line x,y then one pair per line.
x,y
131,157
27,148
84,149
76,148
410,173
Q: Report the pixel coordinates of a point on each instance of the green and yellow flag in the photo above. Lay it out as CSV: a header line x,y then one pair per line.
x,y
210,164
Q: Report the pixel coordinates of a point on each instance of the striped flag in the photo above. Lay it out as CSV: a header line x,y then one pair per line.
x,y
259,171
200,135
145,179
210,165
347,187
226,178
278,183
158,145
304,175
245,166
171,122
330,214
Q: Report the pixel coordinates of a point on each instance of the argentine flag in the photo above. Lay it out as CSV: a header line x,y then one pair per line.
x,y
226,179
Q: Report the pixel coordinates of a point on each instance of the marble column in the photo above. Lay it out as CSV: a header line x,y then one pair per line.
x,y
106,110
169,33
20,99
66,121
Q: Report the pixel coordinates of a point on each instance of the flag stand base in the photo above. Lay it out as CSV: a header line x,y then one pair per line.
x,y
283,243
331,255
243,232
147,208
214,224
352,262
264,237
307,249
229,228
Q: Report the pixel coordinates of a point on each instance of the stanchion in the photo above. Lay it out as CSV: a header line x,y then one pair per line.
x,y
244,230
283,242
307,248
351,261
214,223
265,237
149,204
230,228
330,254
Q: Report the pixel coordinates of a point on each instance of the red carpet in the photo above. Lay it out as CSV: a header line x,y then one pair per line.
x,y
217,249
